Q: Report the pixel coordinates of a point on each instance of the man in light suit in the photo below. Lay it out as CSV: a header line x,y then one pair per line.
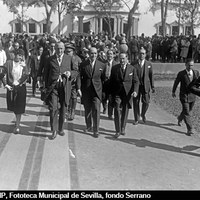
x,y
186,78
123,85
90,82
146,83
58,92
110,62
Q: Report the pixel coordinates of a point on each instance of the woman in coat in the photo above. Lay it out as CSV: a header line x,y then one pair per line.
x,y
14,80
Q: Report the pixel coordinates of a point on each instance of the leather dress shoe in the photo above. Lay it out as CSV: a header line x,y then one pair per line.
x,y
135,123
16,131
179,121
144,120
110,117
96,134
61,133
87,130
54,134
117,134
190,132
123,132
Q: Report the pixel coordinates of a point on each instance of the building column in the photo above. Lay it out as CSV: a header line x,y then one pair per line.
x,y
96,25
121,25
12,28
136,26
80,24
100,24
72,23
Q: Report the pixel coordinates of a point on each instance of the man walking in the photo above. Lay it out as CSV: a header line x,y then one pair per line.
x,y
90,81
146,82
59,87
106,99
185,78
123,85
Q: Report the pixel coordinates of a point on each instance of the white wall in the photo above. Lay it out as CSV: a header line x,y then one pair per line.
x,y
37,14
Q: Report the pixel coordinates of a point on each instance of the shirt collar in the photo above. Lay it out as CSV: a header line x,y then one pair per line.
x,y
60,56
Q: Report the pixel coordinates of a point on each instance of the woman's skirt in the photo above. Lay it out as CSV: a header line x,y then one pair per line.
x,y
16,99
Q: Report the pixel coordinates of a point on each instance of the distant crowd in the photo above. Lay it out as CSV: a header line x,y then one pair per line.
x,y
170,49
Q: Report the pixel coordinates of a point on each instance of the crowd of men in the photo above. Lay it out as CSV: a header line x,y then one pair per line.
x,y
112,71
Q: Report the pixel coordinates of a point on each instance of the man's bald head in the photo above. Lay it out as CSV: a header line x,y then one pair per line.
x,y
60,48
93,53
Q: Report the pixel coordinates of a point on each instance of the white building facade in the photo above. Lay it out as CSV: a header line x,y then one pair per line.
x,y
88,20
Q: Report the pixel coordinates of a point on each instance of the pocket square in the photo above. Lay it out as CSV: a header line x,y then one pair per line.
x,y
100,69
130,74
149,66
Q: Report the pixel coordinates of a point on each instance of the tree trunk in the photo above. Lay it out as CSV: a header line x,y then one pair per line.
x,y
48,23
164,9
130,18
59,18
59,23
109,27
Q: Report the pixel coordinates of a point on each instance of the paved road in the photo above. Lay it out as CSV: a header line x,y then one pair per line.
x,y
155,156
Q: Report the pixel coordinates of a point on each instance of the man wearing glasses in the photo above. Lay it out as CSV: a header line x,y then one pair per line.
x,y
146,83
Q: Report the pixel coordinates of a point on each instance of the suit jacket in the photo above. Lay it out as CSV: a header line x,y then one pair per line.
x,y
128,81
106,83
89,77
183,78
145,75
194,86
34,65
55,70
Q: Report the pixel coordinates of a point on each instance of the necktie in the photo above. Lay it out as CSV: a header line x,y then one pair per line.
x,y
59,60
123,69
190,75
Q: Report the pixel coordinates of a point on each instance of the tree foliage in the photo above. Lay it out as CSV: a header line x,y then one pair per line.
x,y
188,12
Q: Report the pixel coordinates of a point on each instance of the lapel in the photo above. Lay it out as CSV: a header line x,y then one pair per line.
x,y
94,68
187,77
126,73
88,68
63,61
144,69
121,72
55,60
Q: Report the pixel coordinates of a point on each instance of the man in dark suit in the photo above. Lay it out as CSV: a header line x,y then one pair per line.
x,y
59,87
76,61
106,85
34,65
90,81
146,82
185,78
42,71
123,85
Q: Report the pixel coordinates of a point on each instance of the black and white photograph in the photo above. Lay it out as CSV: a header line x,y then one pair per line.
x,y
99,98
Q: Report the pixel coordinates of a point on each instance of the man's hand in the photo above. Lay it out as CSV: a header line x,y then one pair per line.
x,y
173,94
8,87
79,93
67,73
134,94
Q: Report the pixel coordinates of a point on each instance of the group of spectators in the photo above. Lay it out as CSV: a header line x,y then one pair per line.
x,y
44,56
170,49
